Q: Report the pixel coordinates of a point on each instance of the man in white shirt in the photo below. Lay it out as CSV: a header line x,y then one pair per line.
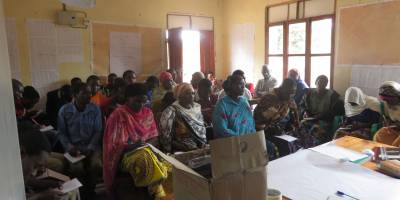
x,y
265,85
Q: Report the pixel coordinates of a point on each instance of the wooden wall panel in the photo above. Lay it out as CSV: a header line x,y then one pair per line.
x,y
369,34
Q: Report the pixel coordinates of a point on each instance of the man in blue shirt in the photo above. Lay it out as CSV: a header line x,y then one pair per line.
x,y
80,133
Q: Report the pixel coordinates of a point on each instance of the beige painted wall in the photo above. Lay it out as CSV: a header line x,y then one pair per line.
x,y
253,11
149,13
152,13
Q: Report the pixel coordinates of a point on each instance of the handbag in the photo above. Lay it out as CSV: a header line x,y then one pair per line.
x,y
144,166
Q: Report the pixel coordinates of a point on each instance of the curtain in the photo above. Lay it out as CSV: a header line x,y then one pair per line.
x,y
207,56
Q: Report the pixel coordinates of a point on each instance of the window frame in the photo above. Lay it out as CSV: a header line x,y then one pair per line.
x,y
308,55
190,16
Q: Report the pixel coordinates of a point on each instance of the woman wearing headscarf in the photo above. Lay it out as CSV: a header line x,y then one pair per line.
x,y
182,125
321,106
389,93
276,105
127,126
359,118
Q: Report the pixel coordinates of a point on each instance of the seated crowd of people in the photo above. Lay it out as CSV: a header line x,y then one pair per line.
x,y
112,124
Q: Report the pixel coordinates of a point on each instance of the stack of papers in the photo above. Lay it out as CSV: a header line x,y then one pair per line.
x,y
332,150
308,175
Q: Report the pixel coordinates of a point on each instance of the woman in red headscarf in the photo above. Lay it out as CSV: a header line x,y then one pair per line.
x,y
128,125
166,85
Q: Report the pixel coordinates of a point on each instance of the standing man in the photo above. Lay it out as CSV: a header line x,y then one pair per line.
x,y
265,85
80,133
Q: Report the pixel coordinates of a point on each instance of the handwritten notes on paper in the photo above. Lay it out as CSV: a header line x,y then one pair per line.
x,y
69,45
42,40
369,77
49,46
125,52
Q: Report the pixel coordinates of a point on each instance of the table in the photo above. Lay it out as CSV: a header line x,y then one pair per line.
x,y
357,144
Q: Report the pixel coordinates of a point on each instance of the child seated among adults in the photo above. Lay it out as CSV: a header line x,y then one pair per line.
x,y
35,151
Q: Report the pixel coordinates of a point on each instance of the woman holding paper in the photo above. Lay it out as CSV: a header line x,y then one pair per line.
x,y
35,151
127,126
359,118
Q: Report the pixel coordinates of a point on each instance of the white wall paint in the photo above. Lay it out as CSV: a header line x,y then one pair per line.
x,y
11,180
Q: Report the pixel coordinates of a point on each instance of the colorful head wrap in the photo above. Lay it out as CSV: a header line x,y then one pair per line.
x,y
389,89
165,76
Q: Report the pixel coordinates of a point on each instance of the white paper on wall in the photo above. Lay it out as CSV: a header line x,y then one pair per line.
x,y
369,77
125,52
13,50
242,49
69,45
42,38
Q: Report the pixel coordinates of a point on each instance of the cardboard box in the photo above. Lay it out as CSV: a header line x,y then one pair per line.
x,y
248,185
235,154
244,176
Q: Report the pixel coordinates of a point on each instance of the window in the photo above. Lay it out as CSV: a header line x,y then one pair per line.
x,y
298,38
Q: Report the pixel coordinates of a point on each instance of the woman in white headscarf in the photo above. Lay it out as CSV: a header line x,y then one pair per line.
x,y
359,118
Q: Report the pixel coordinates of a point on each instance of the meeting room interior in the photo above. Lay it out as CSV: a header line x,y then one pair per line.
x,y
200,99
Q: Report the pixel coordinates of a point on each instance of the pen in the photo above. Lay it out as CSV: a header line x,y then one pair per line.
x,y
339,193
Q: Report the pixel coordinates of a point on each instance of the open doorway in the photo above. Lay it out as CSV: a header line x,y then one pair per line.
x,y
190,45
190,54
